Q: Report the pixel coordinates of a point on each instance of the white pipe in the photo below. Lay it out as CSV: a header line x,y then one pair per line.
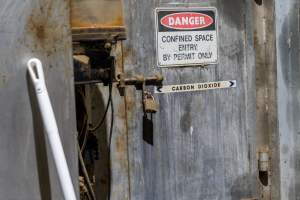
x,y
37,75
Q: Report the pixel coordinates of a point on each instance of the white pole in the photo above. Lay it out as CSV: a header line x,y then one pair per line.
x,y
37,75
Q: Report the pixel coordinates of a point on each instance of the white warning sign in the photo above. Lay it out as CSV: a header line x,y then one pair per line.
x,y
193,87
186,36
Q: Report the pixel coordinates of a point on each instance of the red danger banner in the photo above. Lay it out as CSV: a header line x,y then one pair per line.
x,y
186,21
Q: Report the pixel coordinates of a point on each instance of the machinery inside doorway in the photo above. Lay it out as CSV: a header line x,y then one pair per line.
x,y
98,72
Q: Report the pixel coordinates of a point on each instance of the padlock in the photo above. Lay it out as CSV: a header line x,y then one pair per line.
x,y
150,105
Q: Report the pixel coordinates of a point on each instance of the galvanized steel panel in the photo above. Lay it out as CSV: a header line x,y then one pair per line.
x,y
34,28
204,142
288,84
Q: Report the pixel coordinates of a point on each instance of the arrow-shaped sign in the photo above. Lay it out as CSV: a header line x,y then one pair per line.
x,y
232,83
196,87
158,89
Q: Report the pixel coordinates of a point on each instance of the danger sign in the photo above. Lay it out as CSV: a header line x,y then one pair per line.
x,y
186,36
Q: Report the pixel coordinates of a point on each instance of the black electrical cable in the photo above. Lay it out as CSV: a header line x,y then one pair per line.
x,y
84,139
112,119
93,129
110,139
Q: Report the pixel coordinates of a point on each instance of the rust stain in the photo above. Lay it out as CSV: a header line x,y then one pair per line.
x,y
127,53
121,143
46,29
130,104
121,138
40,32
121,150
36,27
39,20
119,21
96,14
121,111
81,23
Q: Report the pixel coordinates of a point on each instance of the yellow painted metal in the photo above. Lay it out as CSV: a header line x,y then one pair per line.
x,y
96,14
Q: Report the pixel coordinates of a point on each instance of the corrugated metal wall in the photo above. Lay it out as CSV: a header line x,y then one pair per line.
x,y
41,29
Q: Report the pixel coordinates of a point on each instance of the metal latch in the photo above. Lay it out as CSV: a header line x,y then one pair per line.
x,y
139,81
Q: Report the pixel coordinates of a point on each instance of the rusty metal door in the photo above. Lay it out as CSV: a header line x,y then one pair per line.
x,y
203,141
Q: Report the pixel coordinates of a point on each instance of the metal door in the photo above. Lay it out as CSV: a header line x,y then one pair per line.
x,y
204,142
